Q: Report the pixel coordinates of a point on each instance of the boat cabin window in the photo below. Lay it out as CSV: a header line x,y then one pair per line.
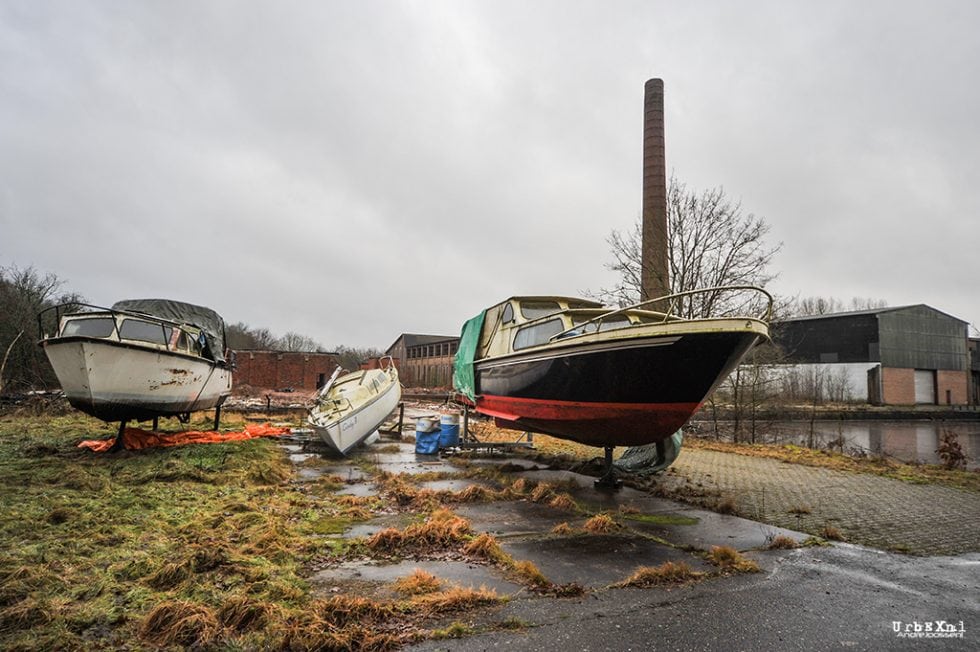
x,y
614,322
508,314
144,331
94,327
537,334
608,324
535,309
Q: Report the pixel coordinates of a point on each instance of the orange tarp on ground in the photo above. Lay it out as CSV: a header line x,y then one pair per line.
x,y
136,439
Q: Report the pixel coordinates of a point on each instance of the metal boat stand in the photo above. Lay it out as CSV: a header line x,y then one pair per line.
x,y
118,444
608,481
469,441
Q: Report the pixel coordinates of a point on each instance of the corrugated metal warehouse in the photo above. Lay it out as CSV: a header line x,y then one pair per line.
x,y
906,355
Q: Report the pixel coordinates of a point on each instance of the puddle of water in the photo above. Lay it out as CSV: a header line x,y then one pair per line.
x,y
359,489
456,484
597,560
460,573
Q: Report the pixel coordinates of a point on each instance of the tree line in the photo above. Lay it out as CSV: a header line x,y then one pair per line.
x,y
27,292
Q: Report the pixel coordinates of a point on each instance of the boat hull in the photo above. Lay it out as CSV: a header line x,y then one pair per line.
x,y
626,392
348,429
116,381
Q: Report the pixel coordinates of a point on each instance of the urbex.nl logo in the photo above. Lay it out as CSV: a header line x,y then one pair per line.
x,y
928,629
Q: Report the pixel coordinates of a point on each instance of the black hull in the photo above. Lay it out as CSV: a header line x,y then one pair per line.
x,y
617,392
653,370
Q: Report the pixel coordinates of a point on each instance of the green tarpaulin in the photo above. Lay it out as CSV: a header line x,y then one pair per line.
x,y
464,380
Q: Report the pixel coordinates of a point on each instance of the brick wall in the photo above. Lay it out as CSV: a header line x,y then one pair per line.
x,y
280,369
897,386
955,383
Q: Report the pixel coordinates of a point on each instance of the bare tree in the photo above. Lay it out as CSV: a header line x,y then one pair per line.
x,y
828,305
242,337
350,358
23,294
712,243
295,342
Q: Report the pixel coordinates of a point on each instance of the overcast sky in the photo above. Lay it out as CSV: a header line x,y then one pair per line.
x,y
354,170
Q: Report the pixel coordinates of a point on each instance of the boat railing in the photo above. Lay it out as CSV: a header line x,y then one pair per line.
x,y
389,358
65,309
674,303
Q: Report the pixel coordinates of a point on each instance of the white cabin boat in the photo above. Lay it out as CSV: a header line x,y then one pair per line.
x,y
139,359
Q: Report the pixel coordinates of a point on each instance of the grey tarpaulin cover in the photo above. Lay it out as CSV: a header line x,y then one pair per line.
x,y
644,460
184,313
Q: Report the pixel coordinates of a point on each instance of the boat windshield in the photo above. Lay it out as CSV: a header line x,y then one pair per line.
x,y
535,309
144,331
89,327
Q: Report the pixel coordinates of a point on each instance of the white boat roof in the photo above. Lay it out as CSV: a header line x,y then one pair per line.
x,y
585,303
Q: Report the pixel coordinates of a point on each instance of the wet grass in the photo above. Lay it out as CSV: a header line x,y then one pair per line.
x,y
197,547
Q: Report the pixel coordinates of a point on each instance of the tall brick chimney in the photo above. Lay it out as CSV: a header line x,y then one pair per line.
x,y
654,276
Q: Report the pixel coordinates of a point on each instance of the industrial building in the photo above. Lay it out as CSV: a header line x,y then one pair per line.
x,y
888,356
424,360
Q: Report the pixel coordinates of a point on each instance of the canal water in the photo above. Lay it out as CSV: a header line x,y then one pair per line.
x,y
907,441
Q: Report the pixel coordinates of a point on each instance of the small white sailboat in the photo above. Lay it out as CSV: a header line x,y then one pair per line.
x,y
350,408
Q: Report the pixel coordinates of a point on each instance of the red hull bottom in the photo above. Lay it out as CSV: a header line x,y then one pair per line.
x,y
594,424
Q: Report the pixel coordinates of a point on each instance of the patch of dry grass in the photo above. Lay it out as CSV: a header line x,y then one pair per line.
x,y
531,574
180,622
727,559
562,529
666,574
485,546
563,502
782,542
441,530
601,524
727,505
243,614
831,533
453,600
418,583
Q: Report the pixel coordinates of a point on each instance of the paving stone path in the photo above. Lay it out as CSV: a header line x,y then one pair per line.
x,y
868,509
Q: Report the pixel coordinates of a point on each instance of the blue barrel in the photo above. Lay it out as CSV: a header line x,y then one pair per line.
x,y
448,430
426,437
